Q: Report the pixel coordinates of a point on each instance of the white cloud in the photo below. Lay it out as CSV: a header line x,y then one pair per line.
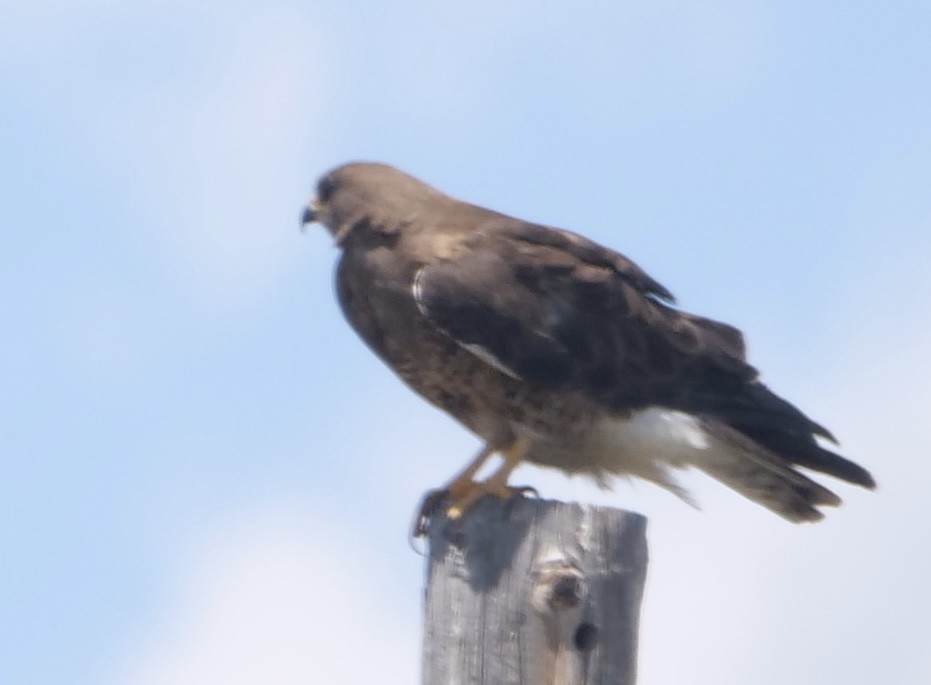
x,y
277,598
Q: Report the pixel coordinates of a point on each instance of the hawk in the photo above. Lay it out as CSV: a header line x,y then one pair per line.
x,y
558,351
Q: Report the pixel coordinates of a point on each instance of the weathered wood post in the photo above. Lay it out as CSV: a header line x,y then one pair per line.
x,y
534,592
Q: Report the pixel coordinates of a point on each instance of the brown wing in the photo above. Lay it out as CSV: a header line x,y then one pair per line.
x,y
555,309
559,310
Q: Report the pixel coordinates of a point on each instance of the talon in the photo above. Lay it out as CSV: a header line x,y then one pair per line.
x,y
524,490
429,506
461,501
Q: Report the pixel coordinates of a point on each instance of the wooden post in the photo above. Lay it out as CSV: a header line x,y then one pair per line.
x,y
534,592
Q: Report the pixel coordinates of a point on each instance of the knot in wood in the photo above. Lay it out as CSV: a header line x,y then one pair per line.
x,y
565,591
558,588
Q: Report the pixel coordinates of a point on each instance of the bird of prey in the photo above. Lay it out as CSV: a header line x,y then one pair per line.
x,y
558,351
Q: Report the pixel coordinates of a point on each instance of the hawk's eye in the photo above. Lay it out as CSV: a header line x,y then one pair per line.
x,y
325,189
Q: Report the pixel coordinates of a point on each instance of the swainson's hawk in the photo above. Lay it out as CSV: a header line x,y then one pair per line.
x,y
558,351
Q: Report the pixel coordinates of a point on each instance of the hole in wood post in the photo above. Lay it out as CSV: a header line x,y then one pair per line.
x,y
586,635
566,591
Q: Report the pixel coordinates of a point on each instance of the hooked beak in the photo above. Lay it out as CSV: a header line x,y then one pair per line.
x,y
310,214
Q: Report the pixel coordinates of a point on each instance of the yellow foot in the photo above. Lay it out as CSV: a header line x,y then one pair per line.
x,y
464,491
458,503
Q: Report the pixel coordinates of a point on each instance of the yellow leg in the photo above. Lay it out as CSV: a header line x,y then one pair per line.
x,y
465,479
496,484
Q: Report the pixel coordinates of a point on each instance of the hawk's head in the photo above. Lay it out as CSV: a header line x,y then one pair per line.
x,y
366,196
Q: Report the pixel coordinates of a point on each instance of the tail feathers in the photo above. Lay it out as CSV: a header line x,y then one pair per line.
x,y
808,453
780,428
763,477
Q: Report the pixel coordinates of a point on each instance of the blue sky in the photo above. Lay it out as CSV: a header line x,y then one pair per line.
x,y
204,475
